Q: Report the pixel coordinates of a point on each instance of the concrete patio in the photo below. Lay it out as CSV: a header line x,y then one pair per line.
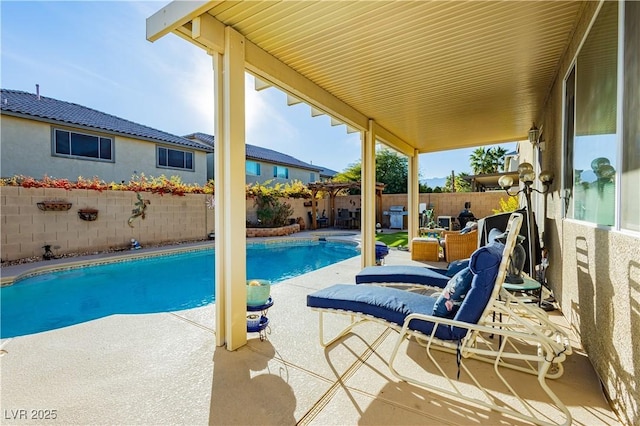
x,y
165,369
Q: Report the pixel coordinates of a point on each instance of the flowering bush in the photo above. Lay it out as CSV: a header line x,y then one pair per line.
x,y
510,205
158,185
296,189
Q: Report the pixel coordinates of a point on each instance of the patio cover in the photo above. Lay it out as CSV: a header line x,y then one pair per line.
x,y
417,76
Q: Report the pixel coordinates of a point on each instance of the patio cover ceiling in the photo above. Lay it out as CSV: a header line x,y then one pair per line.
x,y
437,75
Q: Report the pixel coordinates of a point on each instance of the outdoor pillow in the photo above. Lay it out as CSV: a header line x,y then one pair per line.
x,y
493,234
451,298
485,263
470,226
456,266
452,268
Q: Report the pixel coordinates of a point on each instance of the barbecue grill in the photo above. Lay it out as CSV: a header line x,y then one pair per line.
x,y
396,216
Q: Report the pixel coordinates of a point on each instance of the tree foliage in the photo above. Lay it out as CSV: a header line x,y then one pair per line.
x,y
484,161
392,169
461,185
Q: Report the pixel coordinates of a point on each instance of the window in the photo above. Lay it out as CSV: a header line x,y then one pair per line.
x,y
281,172
81,145
591,153
252,168
630,201
312,177
175,159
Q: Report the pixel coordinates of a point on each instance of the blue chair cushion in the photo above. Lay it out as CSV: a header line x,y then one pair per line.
x,y
449,301
393,305
456,266
387,303
401,274
382,250
453,267
484,265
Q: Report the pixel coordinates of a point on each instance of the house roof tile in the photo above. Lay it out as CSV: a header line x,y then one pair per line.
x,y
259,153
25,104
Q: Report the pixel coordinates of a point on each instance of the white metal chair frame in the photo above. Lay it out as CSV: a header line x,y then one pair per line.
x,y
524,339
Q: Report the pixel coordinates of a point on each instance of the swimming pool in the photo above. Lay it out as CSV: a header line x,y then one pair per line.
x,y
156,284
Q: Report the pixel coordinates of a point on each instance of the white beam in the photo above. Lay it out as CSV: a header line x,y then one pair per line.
x,y
292,100
209,32
316,112
335,122
205,31
267,67
259,84
174,15
393,141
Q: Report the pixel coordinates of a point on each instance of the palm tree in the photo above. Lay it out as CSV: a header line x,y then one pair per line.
x,y
497,157
478,161
485,161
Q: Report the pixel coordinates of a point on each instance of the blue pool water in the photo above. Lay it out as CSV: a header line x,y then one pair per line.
x,y
159,284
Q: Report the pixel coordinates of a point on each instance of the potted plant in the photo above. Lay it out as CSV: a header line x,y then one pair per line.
x,y
54,205
88,214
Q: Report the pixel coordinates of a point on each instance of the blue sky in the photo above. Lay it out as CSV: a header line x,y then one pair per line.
x,y
95,54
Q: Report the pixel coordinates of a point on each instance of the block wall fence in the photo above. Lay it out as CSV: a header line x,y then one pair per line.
x,y
25,229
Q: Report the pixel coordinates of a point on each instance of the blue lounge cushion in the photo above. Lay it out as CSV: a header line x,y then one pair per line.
x,y
382,250
387,303
456,266
393,305
484,264
453,267
450,299
401,274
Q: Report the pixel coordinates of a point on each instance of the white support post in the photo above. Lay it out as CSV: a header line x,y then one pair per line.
x,y
231,170
219,158
368,191
413,193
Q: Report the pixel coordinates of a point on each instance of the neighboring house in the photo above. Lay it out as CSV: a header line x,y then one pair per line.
x,y
44,136
264,164
327,174
511,161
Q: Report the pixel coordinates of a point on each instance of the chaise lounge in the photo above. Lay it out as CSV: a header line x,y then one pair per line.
x,y
484,324
410,275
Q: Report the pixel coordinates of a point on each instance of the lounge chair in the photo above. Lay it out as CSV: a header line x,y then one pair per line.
x,y
489,325
410,275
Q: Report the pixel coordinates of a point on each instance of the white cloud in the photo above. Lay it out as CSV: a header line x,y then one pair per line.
x,y
265,124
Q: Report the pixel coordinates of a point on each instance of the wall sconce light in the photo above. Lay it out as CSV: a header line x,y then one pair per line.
x,y
534,134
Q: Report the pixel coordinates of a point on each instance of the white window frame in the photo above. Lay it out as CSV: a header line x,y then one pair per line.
x,y
256,172
277,172
71,133
167,166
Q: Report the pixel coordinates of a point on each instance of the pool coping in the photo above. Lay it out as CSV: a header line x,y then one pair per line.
x,y
11,274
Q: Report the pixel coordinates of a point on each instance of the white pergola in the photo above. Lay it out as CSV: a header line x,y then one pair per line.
x,y
417,76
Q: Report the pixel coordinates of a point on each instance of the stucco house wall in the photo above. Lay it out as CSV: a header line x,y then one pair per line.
x,y
594,271
27,150
267,159
266,173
